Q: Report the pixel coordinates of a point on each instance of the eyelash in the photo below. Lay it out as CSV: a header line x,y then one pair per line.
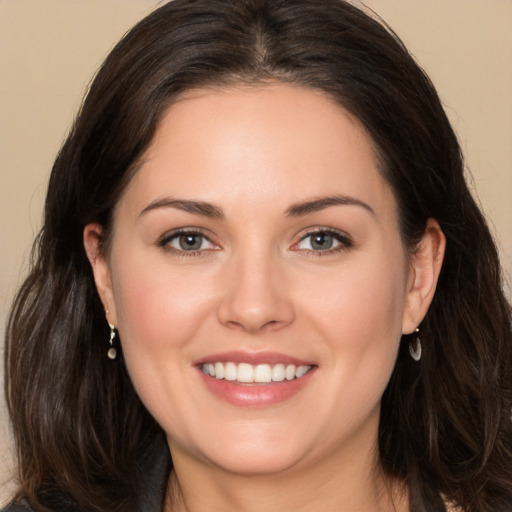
x,y
344,242
165,241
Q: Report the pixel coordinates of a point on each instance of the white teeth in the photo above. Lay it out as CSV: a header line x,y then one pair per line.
x,y
289,373
278,373
261,373
219,370
230,372
245,373
301,371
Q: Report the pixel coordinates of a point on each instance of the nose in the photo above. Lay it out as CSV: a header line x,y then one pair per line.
x,y
255,294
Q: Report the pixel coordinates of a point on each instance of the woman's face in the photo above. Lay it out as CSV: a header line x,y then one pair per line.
x,y
259,240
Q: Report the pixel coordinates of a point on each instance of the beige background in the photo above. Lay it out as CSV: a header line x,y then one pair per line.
x,y
49,49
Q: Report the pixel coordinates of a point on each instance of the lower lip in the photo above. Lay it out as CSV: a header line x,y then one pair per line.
x,y
254,395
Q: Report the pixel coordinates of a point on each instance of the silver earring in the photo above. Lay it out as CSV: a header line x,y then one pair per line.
x,y
112,352
415,347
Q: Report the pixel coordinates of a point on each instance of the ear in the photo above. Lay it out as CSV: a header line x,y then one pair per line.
x,y
425,267
100,268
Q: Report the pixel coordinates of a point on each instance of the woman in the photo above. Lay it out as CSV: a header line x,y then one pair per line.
x,y
257,286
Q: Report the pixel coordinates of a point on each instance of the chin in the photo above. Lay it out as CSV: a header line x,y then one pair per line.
x,y
250,451
259,462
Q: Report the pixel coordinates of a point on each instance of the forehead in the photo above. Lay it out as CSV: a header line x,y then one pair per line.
x,y
267,144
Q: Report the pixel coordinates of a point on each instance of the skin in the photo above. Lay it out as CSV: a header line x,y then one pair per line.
x,y
257,284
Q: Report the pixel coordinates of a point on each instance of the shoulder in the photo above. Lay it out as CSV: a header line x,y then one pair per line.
x,y
53,504
21,506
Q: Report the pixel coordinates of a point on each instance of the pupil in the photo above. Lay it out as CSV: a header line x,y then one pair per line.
x,y
322,241
190,242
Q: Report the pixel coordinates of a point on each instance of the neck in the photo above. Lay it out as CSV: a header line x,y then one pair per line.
x,y
357,485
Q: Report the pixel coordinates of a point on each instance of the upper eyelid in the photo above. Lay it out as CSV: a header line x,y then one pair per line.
x,y
342,235
193,230
345,241
169,235
332,231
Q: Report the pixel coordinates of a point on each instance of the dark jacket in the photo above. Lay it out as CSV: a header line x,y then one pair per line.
x,y
155,467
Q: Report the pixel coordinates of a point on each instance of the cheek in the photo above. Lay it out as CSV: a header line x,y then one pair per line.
x,y
159,313
366,296
360,317
157,309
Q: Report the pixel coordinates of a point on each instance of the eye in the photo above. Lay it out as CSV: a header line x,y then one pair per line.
x,y
187,241
323,241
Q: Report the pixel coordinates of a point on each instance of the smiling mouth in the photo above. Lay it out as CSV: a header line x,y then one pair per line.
x,y
248,374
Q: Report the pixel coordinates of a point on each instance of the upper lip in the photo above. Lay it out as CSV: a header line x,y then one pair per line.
x,y
254,358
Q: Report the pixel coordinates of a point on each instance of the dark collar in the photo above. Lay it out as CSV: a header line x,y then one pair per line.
x,y
154,470
153,473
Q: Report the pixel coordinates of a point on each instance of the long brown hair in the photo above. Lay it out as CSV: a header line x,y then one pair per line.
x,y
445,429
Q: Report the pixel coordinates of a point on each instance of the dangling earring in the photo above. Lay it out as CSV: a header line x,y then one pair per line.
x,y
112,352
415,347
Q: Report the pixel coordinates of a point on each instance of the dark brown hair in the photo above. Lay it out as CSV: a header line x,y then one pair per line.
x,y
445,427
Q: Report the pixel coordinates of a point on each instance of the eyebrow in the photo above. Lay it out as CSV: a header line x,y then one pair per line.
x,y
195,207
295,210
315,205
